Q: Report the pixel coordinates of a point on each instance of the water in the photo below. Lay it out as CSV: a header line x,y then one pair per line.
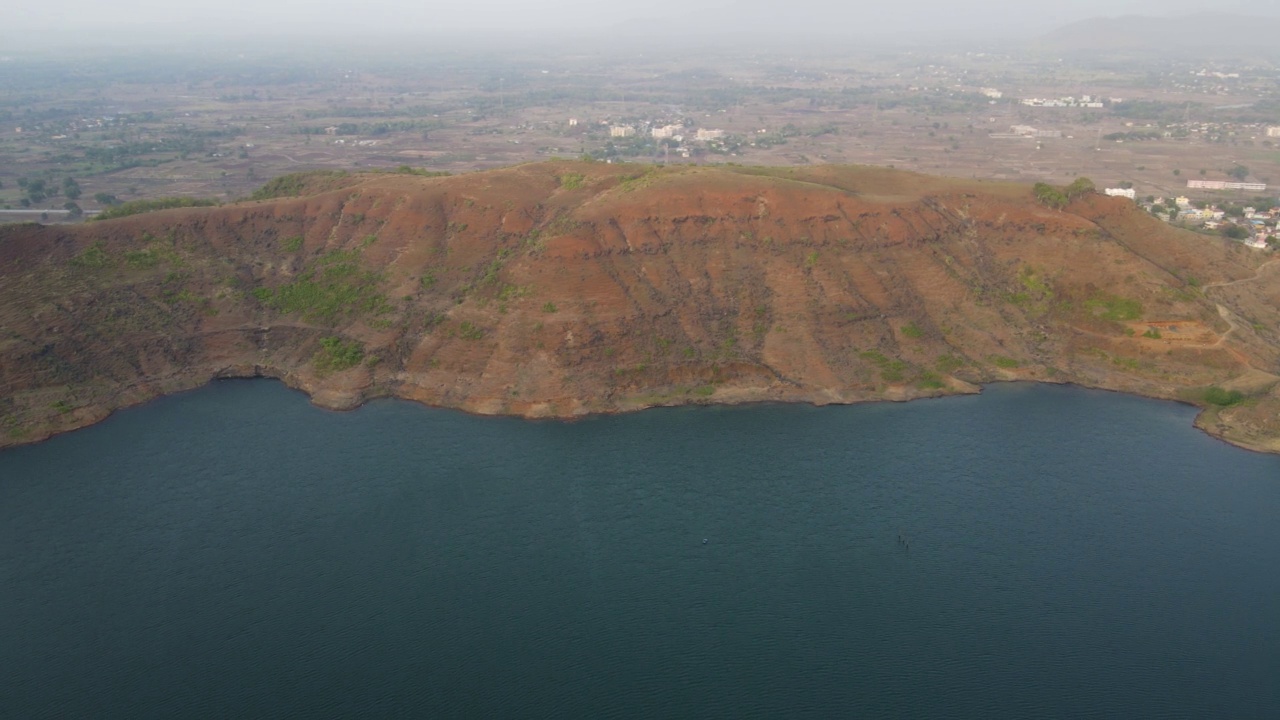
x,y
235,552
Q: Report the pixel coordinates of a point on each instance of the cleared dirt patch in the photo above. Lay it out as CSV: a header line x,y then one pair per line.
x,y
1177,331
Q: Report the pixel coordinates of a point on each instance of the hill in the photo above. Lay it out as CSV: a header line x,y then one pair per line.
x,y
1208,35
558,289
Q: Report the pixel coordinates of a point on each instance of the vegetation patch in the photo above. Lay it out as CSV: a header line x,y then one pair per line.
x,y
93,257
929,381
1215,395
949,363
142,259
297,184
420,172
912,331
1001,361
890,370
336,355
1114,307
469,331
572,181
332,287
137,207
292,243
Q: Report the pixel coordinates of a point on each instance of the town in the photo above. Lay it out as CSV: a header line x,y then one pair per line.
x,y
214,129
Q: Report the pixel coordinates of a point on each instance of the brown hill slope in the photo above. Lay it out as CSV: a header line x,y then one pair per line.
x,y
557,289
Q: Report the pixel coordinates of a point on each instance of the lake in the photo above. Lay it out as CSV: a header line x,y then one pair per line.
x,y
1036,551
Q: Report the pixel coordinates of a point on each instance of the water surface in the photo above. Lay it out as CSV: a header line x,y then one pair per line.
x,y
235,552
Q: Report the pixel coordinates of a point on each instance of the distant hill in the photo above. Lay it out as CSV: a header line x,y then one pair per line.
x,y
1210,34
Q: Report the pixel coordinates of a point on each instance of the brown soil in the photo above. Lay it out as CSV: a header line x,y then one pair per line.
x,y
558,289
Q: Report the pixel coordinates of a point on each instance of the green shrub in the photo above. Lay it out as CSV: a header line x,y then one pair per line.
x,y
142,259
929,381
95,256
292,244
949,363
1001,361
912,331
1223,398
549,307
336,355
469,331
572,181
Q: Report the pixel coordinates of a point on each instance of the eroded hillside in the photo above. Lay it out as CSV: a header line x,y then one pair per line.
x,y
558,289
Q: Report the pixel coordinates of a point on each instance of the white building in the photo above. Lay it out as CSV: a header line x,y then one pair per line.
x,y
705,134
664,132
621,131
992,93
1273,131
1222,185
1121,192
1028,131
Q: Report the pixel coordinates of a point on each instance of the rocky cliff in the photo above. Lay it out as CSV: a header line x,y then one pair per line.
x,y
558,289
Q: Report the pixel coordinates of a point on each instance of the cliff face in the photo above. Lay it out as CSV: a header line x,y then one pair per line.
x,y
558,289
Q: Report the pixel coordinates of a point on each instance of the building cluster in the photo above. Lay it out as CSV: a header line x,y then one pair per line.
x,y
1026,131
1260,226
1084,101
673,132
1224,185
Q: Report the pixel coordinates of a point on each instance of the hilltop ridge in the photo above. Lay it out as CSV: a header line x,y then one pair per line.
x,y
562,288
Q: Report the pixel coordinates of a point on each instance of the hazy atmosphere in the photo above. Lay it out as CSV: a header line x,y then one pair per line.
x,y
159,22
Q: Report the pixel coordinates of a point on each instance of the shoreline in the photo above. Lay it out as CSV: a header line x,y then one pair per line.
x,y
349,402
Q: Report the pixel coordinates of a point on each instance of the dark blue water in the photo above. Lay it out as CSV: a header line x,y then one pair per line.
x,y
235,552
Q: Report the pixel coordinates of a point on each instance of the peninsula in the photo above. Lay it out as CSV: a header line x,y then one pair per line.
x,y
562,288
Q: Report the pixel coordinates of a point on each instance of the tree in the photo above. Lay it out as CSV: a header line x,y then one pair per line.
x,y
1239,172
36,190
1177,172
1080,186
106,199
71,188
1235,232
73,209
1050,195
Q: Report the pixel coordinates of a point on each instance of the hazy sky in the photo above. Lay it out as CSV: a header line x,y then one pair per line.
x,y
62,21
